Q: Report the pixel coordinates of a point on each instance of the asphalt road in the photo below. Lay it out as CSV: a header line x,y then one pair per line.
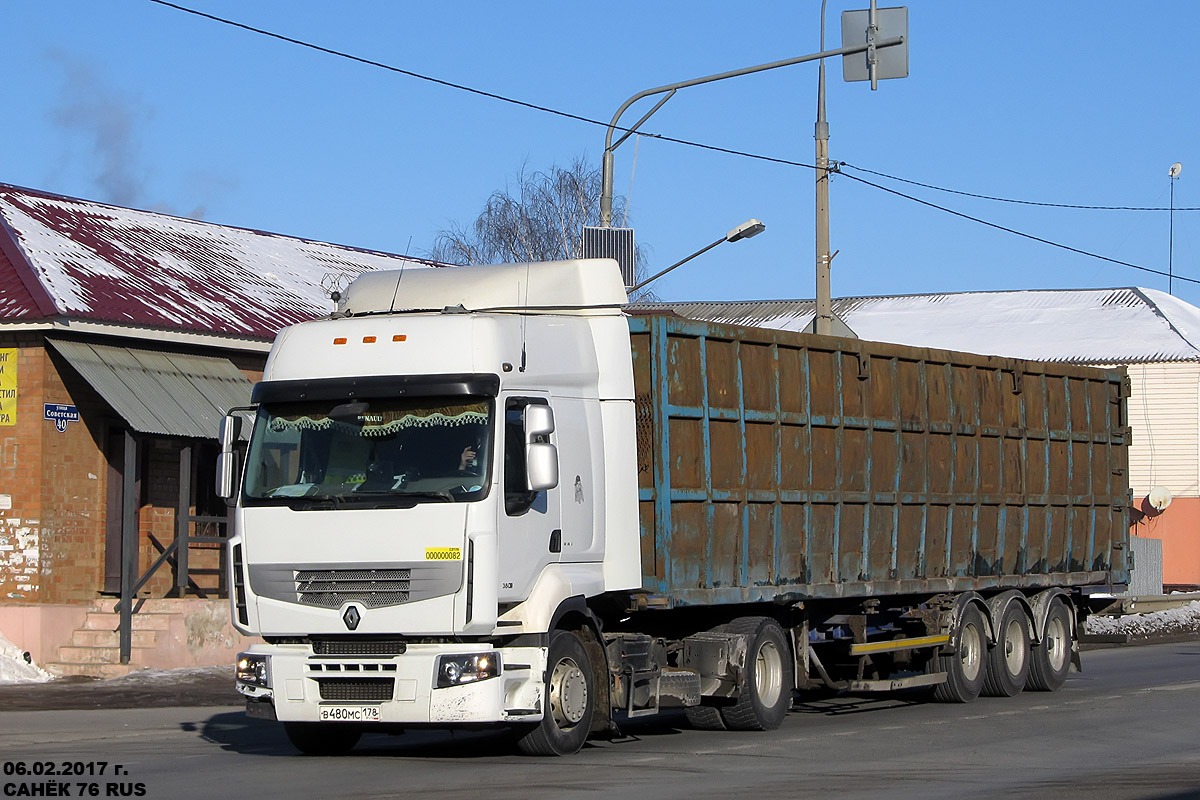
x,y
1124,728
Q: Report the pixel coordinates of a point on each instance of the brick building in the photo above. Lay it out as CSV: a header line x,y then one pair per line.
x,y
125,335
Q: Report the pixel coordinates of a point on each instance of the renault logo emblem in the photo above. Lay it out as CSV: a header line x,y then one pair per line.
x,y
352,617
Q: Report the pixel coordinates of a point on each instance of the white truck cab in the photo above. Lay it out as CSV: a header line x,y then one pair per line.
x,y
435,473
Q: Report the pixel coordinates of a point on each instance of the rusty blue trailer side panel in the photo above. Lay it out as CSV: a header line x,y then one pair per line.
x,y
779,466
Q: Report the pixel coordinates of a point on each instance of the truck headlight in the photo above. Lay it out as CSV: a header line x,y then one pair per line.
x,y
460,669
254,669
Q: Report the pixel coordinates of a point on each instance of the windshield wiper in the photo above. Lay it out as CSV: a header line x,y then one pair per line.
x,y
361,499
443,495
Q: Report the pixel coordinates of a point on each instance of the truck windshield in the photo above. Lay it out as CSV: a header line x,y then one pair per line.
x,y
377,452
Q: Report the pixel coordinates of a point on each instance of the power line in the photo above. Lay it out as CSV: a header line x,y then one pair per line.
x,y
1015,232
600,123
714,148
470,89
369,62
1008,199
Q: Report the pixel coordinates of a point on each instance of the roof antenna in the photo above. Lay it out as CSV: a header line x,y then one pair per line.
x,y
399,278
524,315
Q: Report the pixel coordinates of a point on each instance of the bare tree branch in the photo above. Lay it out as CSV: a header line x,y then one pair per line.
x,y
540,219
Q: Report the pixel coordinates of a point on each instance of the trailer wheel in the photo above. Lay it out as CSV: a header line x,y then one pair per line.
x,y
1008,660
767,682
965,668
569,699
321,739
1050,659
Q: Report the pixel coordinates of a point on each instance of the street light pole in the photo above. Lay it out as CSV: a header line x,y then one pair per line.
x,y
746,230
606,170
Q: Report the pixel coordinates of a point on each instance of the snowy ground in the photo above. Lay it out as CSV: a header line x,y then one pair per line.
x,y
1172,622
14,668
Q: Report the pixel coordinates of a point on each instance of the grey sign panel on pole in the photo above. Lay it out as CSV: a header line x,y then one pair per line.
x,y
891,62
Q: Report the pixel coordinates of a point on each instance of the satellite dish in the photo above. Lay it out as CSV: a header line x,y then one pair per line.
x,y
1159,498
1176,168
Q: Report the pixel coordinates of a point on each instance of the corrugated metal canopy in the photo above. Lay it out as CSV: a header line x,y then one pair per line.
x,y
164,393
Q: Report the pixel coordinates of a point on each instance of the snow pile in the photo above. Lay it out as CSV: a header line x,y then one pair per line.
x,y
14,668
1185,619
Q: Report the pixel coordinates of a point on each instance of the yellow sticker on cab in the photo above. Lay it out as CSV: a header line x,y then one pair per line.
x,y
443,554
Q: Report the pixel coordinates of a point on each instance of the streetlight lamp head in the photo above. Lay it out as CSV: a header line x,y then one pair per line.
x,y
1176,168
746,230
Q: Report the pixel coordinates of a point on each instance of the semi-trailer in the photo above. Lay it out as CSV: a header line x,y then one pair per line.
x,y
498,496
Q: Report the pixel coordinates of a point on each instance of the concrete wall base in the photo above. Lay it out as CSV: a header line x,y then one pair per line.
x,y
85,639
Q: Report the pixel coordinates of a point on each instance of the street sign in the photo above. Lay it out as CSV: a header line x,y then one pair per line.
x,y
890,62
60,414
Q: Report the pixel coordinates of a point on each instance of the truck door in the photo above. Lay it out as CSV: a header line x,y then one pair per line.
x,y
530,528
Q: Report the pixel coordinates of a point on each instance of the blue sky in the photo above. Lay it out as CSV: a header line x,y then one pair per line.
x,y
130,102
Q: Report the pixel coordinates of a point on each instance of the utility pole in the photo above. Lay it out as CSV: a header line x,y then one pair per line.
x,y
823,323
878,64
1176,168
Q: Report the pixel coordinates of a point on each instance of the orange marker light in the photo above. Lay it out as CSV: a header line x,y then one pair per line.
x,y
340,340
368,340
400,337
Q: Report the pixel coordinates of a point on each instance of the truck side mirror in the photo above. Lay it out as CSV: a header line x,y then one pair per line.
x,y
231,427
541,457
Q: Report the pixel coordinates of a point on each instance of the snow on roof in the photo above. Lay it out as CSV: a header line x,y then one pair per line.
x,y
1086,326
61,257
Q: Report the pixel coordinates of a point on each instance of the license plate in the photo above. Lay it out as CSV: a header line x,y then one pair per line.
x,y
350,714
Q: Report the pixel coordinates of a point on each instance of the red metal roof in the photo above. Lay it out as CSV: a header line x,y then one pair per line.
x,y
16,302
66,258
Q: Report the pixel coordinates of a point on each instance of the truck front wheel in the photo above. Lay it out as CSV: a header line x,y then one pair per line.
x,y
569,697
767,683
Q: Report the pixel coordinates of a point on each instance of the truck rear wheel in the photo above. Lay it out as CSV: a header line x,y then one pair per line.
x,y
1008,661
569,697
767,682
965,668
1050,659
322,739
704,718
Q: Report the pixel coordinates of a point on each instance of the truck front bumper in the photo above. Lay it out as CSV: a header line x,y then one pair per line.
x,y
398,689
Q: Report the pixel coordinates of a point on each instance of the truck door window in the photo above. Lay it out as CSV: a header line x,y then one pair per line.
x,y
517,498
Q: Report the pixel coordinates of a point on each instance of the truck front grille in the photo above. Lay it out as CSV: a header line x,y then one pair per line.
x,y
357,689
369,585
374,588
358,647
